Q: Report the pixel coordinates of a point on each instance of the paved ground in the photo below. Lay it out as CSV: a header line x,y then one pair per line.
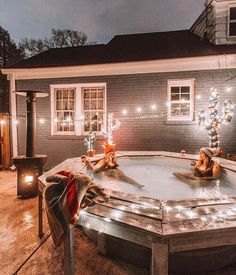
x,y
18,239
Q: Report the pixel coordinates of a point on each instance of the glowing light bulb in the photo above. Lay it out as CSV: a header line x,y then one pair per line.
x,y
2,122
29,179
198,97
55,120
167,103
153,107
16,122
41,120
228,89
124,112
107,219
139,109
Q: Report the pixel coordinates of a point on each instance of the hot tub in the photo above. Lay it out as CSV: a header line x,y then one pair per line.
x,y
160,212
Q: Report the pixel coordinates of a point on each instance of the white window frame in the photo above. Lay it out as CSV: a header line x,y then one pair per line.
x,y
78,106
178,83
230,21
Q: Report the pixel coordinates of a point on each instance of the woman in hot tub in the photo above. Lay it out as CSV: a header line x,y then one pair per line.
x,y
205,168
106,168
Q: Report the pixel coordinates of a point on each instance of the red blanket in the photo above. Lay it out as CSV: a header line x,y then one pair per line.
x,y
65,196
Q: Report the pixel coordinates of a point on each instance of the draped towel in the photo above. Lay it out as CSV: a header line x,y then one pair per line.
x,y
66,194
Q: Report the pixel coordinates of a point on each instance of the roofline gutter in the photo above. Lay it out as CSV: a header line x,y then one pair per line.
x,y
210,62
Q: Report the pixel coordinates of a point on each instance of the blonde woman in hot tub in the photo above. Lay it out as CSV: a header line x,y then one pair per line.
x,y
205,169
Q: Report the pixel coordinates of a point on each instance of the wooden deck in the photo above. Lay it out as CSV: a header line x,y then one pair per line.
x,y
164,226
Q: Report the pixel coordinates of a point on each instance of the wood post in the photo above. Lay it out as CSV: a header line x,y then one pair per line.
x,y
102,246
69,258
159,262
40,215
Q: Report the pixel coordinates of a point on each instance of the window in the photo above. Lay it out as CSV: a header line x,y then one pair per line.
x,y
232,21
93,101
180,99
77,107
65,110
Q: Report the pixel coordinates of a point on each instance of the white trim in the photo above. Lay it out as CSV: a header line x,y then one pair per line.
x,y
213,62
181,82
78,105
14,137
230,37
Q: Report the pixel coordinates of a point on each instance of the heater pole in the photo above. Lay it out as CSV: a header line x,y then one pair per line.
x,y
31,123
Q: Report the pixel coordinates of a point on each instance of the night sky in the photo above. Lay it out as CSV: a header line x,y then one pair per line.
x,y
99,19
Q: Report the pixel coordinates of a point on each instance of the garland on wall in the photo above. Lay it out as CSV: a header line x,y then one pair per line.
x,y
212,124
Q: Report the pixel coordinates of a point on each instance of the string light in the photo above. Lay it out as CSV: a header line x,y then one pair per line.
x,y
153,107
228,89
139,109
2,122
41,120
124,112
16,121
198,97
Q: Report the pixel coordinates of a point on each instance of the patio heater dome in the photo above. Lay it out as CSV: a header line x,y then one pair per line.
x,y
30,166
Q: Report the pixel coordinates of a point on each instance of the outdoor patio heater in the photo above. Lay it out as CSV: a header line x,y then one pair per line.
x,y
30,166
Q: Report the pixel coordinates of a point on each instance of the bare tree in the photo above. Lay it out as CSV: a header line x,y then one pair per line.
x,y
58,39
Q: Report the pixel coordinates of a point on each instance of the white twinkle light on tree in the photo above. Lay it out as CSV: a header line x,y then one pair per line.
x,y
89,140
212,125
112,125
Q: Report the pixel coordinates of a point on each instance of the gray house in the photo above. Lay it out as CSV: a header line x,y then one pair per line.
x,y
155,83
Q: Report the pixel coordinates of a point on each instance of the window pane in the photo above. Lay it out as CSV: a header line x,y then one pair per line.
x,y
175,90
232,29
100,104
233,13
175,96
100,94
58,94
185,89
93,105
59,105
65,94
86,104
185,96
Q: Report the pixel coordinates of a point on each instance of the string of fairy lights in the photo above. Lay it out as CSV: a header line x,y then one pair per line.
x,y
211,124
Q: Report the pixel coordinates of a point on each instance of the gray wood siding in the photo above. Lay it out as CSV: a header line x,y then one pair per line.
x,y
130,91
217,31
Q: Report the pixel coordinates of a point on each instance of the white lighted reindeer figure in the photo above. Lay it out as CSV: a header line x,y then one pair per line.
x,y
214,121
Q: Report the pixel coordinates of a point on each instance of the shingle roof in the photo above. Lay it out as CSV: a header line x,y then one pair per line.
x,y
128,48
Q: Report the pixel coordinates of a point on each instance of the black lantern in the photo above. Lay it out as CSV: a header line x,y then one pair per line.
x,y
30,166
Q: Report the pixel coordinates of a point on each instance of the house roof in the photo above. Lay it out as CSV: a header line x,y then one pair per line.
x,y
128,48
